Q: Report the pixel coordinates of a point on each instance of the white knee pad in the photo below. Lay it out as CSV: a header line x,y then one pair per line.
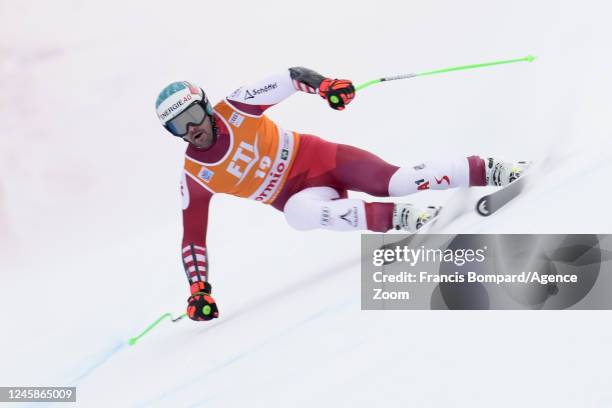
x,y
319,207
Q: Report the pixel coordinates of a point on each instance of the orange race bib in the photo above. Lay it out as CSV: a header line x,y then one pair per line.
x,y
257,162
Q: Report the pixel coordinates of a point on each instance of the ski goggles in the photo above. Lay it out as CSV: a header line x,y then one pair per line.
x,y
193,115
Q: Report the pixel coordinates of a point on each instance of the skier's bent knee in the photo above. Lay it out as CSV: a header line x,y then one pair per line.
x,y
299,213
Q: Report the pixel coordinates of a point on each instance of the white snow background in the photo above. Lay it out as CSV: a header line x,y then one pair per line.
x,y
90,220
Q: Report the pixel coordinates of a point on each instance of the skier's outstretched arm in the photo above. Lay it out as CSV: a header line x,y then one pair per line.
x,y
255,98
196,201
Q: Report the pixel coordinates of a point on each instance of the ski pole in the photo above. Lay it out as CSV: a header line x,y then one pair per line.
x,y
528,58
150,327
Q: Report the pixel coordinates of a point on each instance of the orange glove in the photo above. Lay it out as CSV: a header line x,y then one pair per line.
x,y
200,305
338,92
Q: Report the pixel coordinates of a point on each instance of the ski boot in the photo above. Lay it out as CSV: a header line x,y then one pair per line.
x,y
410,218
501,173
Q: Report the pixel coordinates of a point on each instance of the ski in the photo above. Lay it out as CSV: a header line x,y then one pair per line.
x,y
491,203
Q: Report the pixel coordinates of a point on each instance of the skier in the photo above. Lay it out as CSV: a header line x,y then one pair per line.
x,y
234,148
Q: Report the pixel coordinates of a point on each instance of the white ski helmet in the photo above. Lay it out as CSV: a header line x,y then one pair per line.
x,y
180,104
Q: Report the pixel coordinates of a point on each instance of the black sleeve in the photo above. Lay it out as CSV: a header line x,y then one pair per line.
x,y
306,76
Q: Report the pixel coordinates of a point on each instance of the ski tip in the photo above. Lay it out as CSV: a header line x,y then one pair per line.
x,y
530,58
132,341
481,207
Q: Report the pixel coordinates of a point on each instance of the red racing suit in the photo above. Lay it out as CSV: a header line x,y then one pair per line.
x,y
256,159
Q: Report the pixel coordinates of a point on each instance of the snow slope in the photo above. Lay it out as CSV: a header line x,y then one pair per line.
x,y
90,212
